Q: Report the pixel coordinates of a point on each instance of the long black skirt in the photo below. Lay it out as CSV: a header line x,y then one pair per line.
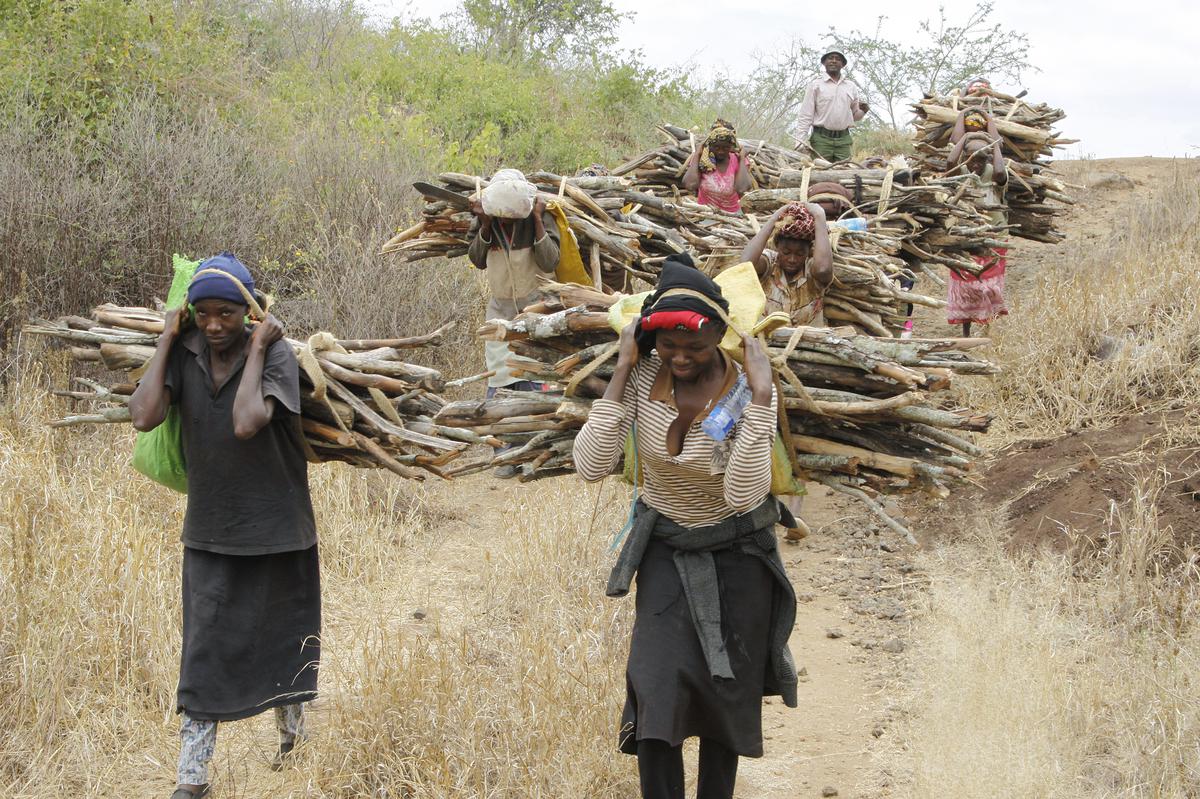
x,y
670,693
251,632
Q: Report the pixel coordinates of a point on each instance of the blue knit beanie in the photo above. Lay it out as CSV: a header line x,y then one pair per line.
x,y
215,287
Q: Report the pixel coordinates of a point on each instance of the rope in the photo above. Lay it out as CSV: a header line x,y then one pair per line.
x,y
387,408
255,309
885,192
805,177
306,355
583,373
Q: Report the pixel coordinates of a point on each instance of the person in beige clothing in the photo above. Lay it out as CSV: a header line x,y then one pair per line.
x,y
517,253
832,104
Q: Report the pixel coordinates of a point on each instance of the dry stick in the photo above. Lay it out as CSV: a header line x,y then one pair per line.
x,y
862,496
386,460
114,414
411,342
383,426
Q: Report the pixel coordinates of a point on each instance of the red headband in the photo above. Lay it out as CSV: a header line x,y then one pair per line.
x,y
675,320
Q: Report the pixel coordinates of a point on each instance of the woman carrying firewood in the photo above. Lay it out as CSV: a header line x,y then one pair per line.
x,y
251,581
719,172
796,273
976,152
794,276
714,606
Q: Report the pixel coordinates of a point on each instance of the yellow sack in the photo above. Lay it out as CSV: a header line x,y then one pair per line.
x,y
739,285
570,262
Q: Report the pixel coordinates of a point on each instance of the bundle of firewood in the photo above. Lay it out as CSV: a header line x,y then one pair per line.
x,y
626,223
863,414
361,403
660,170
1028,140
629,233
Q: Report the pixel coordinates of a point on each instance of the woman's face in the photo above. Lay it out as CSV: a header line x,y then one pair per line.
x,y
689,354
720,151
792,255
977,157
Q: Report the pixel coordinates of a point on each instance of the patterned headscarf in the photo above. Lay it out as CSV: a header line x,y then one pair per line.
x,y
796,222
975,120
722,132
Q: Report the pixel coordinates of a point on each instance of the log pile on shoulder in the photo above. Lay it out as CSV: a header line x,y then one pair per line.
x,y
865,416
627,223
362,403
1035,193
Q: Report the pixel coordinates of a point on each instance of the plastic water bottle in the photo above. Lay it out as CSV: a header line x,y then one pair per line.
x,y
719,422
852,223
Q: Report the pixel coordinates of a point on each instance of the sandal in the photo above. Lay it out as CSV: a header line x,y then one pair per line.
x,y
183,793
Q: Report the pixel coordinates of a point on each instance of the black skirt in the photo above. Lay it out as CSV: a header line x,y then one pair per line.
x,y
251,632
670,693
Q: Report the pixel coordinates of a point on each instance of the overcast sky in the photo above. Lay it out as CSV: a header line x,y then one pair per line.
x,y
1127,74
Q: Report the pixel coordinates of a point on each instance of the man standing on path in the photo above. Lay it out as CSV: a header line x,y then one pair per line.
x,y
832,103
251,577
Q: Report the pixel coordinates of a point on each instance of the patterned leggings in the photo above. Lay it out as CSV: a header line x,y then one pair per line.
x,y
198,739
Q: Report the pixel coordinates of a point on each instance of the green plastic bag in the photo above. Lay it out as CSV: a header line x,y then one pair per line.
x,y
158,454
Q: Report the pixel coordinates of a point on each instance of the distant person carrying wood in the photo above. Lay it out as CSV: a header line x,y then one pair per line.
x,y
976,152
714,607
795,276
517,241
718,171
251,580
832,104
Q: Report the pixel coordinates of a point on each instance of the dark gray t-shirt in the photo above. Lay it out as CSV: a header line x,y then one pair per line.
x,y
244,497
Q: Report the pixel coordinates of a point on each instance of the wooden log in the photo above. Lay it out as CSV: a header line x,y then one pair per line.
x,y
125,357
389,385
411,342
469,413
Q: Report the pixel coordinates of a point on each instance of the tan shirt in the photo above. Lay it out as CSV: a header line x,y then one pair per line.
x,y
708,481
799,298
830,104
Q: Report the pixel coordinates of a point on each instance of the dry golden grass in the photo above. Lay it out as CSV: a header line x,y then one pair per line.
x,y
1136,294
1057,678
1043,675
509,688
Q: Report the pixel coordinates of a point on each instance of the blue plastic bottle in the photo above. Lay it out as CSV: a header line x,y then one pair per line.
x,y
852,223
719,422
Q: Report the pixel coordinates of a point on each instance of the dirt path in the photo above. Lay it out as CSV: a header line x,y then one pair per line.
x,y
844,621
848,632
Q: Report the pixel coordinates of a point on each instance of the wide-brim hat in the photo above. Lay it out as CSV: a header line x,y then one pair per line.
x,y
837,53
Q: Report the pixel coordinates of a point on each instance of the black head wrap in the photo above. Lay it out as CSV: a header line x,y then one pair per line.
x,y
680,272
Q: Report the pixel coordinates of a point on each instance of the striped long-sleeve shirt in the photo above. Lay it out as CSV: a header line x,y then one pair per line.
x,y
708,481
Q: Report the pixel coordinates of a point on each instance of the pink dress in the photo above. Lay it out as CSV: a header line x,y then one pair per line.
x,y
978,299
716,187
981,299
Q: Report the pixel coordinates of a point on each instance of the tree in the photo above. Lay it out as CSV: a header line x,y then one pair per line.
x,y
553,30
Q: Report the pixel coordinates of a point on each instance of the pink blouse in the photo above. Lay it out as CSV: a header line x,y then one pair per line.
x,y
716,187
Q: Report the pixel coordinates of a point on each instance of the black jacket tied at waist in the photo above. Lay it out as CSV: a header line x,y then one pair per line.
x,y
752,533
